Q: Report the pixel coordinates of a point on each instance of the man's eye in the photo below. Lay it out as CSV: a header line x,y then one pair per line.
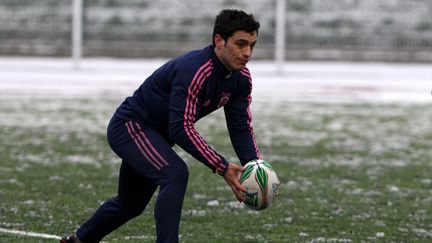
x,y
241,45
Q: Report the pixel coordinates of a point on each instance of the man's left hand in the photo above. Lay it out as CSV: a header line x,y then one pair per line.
x,y
232,177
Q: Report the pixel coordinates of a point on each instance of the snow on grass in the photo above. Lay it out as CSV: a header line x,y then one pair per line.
x,y
356,159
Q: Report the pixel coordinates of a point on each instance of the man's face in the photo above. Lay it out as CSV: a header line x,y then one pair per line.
x,y
236,52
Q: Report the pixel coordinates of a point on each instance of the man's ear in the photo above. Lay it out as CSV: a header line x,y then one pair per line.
x,y
219,41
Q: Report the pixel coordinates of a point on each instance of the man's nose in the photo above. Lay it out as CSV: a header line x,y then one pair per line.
x,y
247,51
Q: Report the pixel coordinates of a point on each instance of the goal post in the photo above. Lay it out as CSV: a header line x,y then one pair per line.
x,y
280,35
77,33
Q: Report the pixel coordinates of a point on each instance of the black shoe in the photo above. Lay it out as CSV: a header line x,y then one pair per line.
x,y
68,239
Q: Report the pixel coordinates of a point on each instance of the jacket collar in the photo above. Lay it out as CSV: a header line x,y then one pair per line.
x,y
218,64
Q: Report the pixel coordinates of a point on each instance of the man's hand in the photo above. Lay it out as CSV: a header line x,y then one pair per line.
x,y
232,177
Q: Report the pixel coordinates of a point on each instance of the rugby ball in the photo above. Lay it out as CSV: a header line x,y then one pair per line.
x,y
261,183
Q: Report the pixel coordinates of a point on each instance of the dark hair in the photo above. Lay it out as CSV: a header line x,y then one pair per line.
x,y
230,20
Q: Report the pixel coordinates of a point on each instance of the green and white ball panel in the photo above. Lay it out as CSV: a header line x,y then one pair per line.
x,y
261,183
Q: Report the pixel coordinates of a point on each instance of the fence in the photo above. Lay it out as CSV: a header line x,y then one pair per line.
x,y
353,30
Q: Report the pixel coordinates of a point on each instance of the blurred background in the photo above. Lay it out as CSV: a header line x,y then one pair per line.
x,y
337,30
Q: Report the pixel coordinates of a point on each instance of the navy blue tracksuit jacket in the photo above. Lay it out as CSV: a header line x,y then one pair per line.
x,y
188,88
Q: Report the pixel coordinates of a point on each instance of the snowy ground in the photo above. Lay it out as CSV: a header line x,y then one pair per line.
x,y
384,140
299,81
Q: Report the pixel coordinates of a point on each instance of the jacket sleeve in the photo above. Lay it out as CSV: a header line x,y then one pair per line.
x,y
184,105
239,122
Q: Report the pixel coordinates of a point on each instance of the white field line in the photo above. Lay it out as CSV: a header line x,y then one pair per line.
x,y
31,234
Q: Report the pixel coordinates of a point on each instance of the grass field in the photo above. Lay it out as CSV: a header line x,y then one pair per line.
x,y
349,173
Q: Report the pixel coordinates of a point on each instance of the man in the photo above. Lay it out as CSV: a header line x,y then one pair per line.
x,y
162,112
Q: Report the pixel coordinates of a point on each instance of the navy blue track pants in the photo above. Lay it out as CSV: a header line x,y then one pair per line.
x,y
148,162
